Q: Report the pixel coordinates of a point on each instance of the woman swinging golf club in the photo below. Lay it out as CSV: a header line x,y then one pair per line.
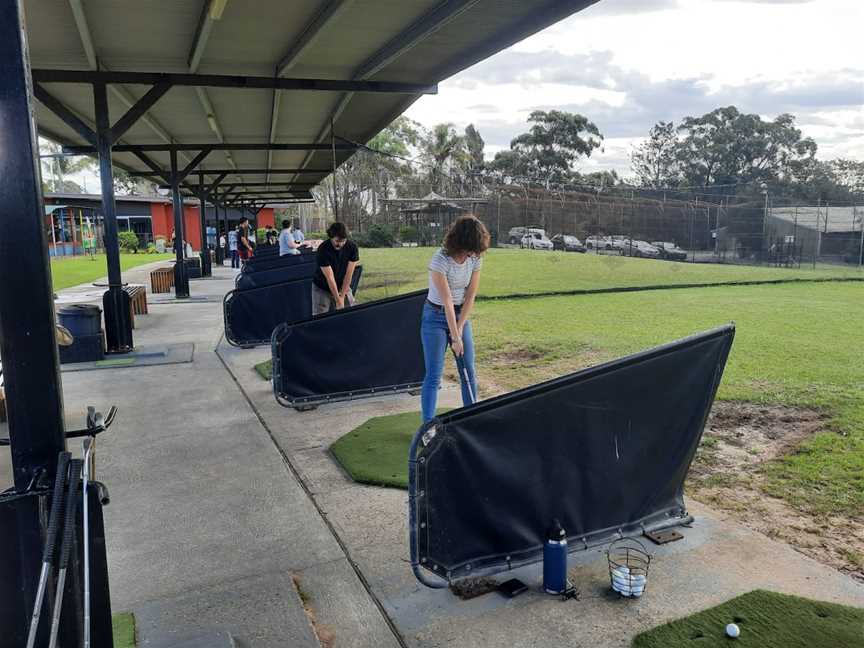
x,y
454,275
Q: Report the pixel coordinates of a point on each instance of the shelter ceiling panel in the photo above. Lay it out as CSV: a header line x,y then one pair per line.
x,y
243,114
179,112
54,44
359,32
141,35
302,113
252,37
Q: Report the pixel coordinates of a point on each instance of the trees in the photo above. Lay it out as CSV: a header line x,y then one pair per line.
x,y
474,144
655,161
726,146
548,150
443,148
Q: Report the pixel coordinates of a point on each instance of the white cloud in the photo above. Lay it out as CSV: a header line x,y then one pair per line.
x,y
627,64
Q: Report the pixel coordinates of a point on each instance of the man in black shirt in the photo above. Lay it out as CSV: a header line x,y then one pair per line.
x,y
336,259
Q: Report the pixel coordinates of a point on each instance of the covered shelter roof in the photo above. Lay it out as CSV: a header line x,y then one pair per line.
x,y
434,203
264,83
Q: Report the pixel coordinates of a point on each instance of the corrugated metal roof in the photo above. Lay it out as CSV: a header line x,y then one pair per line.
x,y
417,41
826,219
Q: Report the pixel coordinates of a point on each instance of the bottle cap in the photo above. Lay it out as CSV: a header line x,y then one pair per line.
x,y
556,531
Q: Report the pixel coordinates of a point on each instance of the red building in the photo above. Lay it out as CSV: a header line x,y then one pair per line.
x,y
70,217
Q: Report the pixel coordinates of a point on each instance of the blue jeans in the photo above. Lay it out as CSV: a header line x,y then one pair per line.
x,y
435,334
235,258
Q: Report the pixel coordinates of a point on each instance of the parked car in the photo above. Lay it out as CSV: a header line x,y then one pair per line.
x,y
599,243
516,234
567,243
637,248
670,251
536,241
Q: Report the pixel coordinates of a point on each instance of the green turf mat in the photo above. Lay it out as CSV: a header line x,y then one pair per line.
x,y
377,452
265,369
123,625
766,620
116,362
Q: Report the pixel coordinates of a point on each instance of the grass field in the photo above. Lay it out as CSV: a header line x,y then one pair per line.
x,y
66,272
510,271
766,620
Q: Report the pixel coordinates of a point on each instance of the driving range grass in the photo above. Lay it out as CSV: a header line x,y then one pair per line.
x,y
391,271
123,626
798,344
71,271
766,620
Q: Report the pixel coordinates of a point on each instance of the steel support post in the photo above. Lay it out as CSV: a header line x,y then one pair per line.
x,y
31,370
206,268
181,277
118,319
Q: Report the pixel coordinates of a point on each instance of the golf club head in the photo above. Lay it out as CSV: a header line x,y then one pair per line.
x,y
102,491
91,417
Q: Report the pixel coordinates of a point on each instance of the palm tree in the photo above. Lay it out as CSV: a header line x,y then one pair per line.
x,y
444,148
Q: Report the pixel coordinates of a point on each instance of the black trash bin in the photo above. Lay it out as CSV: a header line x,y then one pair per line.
x,y
84,322
81,319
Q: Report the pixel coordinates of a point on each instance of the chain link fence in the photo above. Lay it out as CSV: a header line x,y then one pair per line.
x,y
701,229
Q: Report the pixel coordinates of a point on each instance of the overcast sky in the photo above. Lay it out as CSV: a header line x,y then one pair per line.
x,y
627,64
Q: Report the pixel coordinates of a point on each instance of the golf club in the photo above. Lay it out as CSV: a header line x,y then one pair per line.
x,y
50,542
463,370
65,546
87,449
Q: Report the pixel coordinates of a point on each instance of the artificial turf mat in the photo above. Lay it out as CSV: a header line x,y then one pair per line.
x,y
265,369
377,452
766,620
123,626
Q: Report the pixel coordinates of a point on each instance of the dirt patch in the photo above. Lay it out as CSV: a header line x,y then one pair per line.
x,y
739,438
516,357
324,635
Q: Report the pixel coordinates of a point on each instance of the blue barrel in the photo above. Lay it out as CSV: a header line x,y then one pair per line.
x,y
81,319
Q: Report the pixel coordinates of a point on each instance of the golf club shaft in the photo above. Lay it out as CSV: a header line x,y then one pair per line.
x,y
460,365
50,541
66,545
88,459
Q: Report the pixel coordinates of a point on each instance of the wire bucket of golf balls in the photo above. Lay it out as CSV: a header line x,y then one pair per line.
x,y
628,567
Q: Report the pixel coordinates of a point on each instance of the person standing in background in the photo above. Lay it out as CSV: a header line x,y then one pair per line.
x,y
286,240
298,236
233,249
245,241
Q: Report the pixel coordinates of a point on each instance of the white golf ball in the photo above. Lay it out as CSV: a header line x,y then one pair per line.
x,y
733,631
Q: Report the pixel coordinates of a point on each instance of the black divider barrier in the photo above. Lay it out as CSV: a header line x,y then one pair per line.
x,y
271,262
266,251
368,350
23,527
251,315
247,280
604,450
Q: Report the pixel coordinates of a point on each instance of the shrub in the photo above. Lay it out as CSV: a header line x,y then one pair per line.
x,y
409,234
128,242
377,236
151,248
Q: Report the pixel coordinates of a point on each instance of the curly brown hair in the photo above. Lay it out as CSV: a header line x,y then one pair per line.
x,y
466,234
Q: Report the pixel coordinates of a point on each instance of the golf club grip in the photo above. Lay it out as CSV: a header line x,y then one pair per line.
x,y
71,501
56,506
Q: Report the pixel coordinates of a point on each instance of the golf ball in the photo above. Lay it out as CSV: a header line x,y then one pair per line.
x,y
733,631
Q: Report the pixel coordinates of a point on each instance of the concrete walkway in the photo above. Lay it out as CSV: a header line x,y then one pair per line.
x,y
716,561
221,499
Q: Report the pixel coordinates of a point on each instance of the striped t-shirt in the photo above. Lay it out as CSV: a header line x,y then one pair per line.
x,y
458,276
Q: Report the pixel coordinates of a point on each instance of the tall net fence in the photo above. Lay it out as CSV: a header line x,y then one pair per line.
x,y
707,229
